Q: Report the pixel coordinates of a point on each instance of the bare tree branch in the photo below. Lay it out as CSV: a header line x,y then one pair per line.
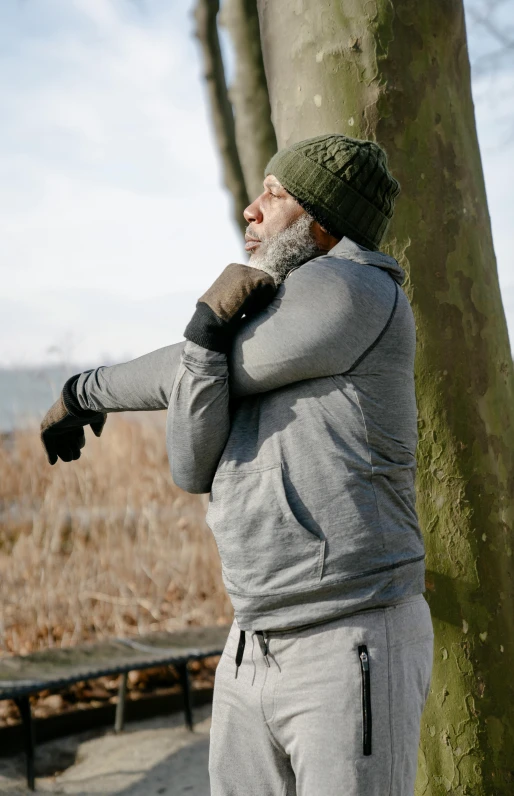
x,y
255,134
222,115
492,35
490,26
489,62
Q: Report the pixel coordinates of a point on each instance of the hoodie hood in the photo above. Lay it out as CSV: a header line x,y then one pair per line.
x,y
350,250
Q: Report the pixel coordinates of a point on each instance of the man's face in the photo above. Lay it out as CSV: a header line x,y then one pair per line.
x,y
273,211
280,232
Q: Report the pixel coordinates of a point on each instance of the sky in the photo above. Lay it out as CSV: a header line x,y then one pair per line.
x,y
113,214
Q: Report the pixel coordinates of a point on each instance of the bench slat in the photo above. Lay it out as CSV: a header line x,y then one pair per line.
x,y
53,668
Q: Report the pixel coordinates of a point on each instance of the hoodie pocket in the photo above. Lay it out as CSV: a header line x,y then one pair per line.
x,y
262,546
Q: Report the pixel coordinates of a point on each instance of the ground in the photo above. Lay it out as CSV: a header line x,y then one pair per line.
x,y
157,756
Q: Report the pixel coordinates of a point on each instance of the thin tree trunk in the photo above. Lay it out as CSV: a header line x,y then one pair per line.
x,y
398,72
255,136
206,13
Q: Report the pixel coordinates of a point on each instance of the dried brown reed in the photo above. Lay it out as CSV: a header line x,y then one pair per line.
x,y
104,546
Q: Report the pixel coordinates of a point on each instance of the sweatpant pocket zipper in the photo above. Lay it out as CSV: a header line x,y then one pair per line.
x,y
366,699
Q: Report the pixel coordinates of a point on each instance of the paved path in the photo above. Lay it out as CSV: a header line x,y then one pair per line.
x,y
157,756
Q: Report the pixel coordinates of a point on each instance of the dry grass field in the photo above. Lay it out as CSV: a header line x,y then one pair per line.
x,y
104,546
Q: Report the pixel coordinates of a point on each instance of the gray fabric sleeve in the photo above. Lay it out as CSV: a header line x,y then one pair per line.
x,y
198,420
318,324
143,384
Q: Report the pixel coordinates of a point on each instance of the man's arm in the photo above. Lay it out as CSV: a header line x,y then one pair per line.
x,y
317,325
143,384
322,319
86,398
198,419
146,383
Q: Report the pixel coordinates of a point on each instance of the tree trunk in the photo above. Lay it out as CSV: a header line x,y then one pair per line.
x,y
222,115
397,72
255,136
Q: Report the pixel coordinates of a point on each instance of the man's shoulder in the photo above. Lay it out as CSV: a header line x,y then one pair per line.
x,y
333,279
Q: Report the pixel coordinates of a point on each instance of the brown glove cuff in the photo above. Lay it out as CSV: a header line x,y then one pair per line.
x,y
240,289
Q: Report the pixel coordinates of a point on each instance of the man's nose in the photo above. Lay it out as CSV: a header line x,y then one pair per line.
x,y
253,213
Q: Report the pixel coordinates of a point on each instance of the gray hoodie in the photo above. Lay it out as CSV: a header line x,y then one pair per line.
x,y
305,437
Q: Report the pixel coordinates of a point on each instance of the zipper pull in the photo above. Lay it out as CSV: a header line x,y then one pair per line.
x,y
266,648
366,699
263,644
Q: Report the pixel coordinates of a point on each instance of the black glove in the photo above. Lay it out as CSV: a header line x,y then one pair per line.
x,y
239,289
62,428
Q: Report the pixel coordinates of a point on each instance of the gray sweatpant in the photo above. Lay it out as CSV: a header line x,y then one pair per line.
x,y
336,712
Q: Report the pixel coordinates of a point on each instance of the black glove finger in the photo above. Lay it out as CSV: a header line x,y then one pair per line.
x,y
98,425
77,440
49,449
65,452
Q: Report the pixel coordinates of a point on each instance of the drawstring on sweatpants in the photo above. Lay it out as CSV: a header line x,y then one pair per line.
x,y
263,644
240,650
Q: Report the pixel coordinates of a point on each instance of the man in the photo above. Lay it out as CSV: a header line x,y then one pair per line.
x,y
295,408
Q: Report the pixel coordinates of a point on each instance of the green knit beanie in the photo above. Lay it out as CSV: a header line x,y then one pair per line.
x,y
344,184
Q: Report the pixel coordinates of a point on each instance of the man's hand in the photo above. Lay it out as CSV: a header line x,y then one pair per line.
x,y
62,428
239,290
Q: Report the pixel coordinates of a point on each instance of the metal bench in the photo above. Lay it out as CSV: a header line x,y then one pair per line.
x,y
23,675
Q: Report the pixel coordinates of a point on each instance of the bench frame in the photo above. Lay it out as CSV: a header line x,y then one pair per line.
x,y
21,691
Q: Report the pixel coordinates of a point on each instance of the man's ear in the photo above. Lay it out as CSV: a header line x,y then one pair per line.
x,y
324,239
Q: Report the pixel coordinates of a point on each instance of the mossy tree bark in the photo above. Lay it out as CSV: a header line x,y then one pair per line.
x,y
206,15
255,136
398,72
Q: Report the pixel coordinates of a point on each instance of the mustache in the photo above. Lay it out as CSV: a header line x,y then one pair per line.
x,y
251,234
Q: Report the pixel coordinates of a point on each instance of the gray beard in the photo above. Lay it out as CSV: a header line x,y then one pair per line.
x,y
292,246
